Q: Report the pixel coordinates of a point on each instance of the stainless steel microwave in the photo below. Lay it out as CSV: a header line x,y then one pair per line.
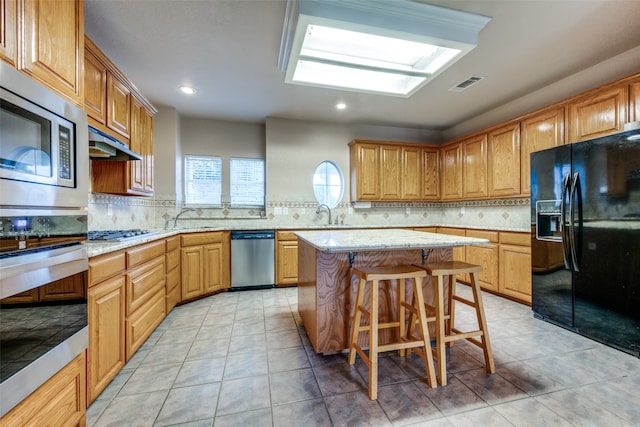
x,y
43,145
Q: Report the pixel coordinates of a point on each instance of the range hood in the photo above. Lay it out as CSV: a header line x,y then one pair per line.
x,y
104,147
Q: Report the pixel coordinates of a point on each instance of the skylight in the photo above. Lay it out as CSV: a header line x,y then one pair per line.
x,y
374,46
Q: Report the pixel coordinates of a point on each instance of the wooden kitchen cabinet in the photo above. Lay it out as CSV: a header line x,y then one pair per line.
x,y
364,159
61,401
451,173
141,171
118,107
634,101
145,293
430,173
205,263
504,161
389,175
515,266
598,113
9,32
106,318
95,84
474,167
286,258
106,352
411,173
172,272
68,288
52,45
540,131
486,256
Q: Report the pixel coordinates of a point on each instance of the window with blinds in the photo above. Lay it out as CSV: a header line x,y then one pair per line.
x,y
203,180
247,186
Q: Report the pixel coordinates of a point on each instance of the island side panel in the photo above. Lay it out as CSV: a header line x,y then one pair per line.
x,y
307,301
331,288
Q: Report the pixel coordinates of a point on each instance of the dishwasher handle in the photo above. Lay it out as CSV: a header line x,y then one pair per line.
x,y
252,235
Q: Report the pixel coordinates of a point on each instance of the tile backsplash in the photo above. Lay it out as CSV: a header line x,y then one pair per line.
x,y
119,212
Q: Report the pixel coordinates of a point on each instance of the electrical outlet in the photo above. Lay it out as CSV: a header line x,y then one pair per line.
x,y
109,209
277,211
408,210
303,211
285,211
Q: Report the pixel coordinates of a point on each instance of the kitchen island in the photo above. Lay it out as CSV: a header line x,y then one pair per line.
x,y
326,285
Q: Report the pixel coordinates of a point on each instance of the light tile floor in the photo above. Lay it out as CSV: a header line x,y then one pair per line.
x,y
243,359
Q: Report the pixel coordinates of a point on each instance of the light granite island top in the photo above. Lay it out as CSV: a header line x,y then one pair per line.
x,y
382,239
327,285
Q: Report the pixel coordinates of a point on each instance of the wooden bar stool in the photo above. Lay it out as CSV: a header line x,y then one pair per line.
x,y
406,339
440,271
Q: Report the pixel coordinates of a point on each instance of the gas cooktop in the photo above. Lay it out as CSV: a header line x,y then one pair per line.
x,y
115,235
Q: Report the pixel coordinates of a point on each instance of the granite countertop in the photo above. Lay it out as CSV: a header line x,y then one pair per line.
x,y
363,240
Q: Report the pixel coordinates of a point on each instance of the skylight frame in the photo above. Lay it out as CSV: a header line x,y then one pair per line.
x,y
403,19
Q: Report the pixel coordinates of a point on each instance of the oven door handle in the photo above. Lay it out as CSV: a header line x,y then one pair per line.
x,y
24,272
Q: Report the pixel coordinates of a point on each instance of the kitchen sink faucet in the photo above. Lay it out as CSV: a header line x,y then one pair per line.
x,y
328,210
175,220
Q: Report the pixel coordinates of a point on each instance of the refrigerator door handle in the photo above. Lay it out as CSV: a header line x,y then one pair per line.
x,y
563,224
575,184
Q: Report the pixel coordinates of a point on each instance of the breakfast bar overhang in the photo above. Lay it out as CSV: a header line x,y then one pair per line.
x,y
326,287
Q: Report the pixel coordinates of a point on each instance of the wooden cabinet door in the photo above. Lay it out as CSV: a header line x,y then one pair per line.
x,y
9,31
430,174
95,88
474,168
598,114
287,265
137,167
106,351
504,161
539,132
118,107
486,256
365,171
61,401
191,263
147,144
53,45
515,272
213,268
390,172
451,172
411,173
634,101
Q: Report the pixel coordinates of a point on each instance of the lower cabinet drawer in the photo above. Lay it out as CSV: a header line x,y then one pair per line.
x,y
143,321
173,279
173,298
142,282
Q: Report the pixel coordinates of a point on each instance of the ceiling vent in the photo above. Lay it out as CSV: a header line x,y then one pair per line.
x,y
466,84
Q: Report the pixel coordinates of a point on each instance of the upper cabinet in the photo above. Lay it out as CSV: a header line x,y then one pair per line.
x,y
115,107
538,132
45,40
504,161
365,170
391,171
430,173
451,172
474,167
634,101
598,113
9,32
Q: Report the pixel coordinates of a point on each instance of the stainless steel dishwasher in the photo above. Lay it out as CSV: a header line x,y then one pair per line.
x,y
252,259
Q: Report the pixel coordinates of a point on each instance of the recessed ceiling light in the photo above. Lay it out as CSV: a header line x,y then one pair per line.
x,y
187,90
341,105
378,46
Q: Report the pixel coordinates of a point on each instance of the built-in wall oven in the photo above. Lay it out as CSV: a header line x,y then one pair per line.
x,y
44,175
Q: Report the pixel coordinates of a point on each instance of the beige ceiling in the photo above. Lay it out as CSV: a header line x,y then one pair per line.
x,y
228,50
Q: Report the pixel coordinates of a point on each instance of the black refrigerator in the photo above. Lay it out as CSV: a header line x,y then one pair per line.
x,y
585,240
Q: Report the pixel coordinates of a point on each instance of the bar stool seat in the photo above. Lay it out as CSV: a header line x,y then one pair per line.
x,y
480,337
406,340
